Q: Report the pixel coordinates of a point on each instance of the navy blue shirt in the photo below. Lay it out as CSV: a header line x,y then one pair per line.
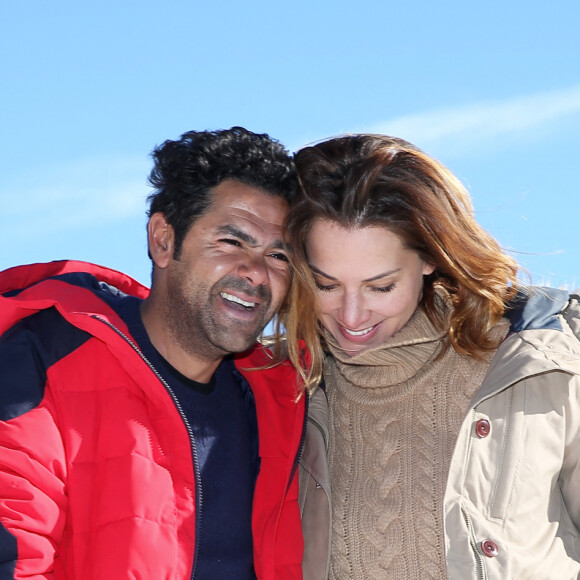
x,y
222,418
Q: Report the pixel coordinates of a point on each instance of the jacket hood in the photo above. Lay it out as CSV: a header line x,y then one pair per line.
x,y
78,290
15,279
537,308
542,338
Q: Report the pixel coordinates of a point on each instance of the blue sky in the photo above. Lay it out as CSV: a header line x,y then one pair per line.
x,y
88,89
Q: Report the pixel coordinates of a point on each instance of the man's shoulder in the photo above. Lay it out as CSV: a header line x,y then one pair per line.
x,y
257,354
27,350
47,311
264,358
259,364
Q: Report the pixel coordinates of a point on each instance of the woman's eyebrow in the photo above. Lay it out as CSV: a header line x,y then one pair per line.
x,y
377,277
320,272
383,275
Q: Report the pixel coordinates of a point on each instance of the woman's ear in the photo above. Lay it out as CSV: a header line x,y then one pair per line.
x,y
160,237
428,268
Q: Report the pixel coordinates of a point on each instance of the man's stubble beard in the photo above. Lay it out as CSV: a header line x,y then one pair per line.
x,y
194,326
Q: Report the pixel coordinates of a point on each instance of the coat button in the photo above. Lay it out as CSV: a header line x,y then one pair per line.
x,y
489,548
482,428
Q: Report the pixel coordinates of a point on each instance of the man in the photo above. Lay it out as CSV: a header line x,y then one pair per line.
x,y
133,444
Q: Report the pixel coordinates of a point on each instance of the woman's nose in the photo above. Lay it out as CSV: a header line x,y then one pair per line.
x,y
354,313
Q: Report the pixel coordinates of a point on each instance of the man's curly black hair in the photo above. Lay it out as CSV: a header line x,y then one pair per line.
x,y
185,171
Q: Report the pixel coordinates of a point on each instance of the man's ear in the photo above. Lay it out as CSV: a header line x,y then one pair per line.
x,y
160,237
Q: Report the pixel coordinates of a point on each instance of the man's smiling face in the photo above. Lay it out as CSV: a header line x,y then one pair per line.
x,y
232,274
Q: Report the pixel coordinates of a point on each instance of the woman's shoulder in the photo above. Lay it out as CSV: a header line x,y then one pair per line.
x,y
544,330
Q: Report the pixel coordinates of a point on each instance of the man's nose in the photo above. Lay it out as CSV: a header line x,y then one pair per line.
x,y
254,269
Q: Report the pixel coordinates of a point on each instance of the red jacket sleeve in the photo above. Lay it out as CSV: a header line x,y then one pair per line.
x,y
33,501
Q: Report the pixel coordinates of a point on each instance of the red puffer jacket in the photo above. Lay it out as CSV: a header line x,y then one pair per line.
x,y
96,468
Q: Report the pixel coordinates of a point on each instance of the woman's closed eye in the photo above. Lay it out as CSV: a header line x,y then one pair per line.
x,y
383,289
325,287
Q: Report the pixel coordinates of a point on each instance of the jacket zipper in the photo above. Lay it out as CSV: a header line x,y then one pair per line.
x,y
198,490
301,446
481,571
322,432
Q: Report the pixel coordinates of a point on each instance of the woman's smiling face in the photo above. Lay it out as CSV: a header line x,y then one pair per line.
x,y
369,283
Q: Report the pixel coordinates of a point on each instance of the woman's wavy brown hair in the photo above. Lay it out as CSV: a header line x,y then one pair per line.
x,y
374,180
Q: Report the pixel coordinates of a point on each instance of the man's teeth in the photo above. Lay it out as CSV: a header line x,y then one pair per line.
x,y
358,332
232,298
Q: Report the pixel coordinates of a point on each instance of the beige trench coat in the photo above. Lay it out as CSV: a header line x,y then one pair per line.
x,y
512,501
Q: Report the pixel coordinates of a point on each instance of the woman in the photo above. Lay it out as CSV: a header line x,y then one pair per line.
x,y
449,410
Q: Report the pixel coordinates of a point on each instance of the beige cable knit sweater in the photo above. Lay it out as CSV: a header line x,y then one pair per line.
x,y
395,412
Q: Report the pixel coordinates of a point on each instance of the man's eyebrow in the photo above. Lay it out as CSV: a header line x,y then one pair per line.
x,y
231,230
237,233
280,245
377,277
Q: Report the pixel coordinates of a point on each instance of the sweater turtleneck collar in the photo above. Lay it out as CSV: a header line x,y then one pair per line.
x,y
398,359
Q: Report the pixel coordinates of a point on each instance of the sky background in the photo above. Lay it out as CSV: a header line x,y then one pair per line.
x,y
491,89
